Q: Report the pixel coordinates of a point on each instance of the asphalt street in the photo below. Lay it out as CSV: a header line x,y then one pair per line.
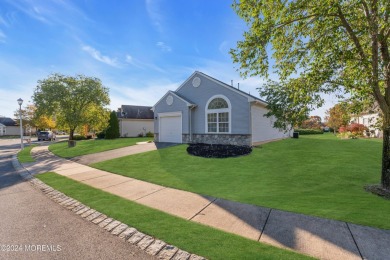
x,y
34,227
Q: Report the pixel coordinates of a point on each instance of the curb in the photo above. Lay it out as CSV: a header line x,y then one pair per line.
x,y
149,244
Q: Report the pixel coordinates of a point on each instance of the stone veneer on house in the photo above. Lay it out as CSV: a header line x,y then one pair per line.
x,y
233,139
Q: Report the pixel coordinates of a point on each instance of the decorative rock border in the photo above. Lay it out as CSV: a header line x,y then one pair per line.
x,y
149,244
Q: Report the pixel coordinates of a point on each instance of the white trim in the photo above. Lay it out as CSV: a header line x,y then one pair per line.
x,y
209,111
174,94
166,114
170,114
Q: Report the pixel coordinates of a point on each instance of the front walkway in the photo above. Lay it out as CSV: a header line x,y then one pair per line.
x,y
317,237
116,153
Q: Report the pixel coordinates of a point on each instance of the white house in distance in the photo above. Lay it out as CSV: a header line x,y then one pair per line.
x,y
8,126
206,110
2,129
135,120
369,120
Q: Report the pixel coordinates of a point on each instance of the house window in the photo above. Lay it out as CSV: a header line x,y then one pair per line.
x,y
218,115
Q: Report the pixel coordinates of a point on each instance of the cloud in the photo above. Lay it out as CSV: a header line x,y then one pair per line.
x,y
33,10
18,80
153,9
3,21
2,36
164,47
99,57
147,95
129,59
142,65
58,12
224,47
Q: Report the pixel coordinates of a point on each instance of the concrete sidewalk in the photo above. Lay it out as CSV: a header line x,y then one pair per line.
x,y
317,237
116,153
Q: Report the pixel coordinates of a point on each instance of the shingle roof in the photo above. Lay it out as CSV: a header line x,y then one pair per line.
x,y
189,102
232,88
7,121
135,112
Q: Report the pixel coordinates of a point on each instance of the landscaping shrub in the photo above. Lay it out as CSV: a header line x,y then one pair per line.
x,y
140,135
101,135
342,129
112,131
149,134
218,150
357,129
352,131
309,131
79,137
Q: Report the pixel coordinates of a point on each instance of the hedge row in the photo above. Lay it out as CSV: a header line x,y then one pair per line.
x,y
309,131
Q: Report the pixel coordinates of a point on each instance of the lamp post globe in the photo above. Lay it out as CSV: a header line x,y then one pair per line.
x,y
20,102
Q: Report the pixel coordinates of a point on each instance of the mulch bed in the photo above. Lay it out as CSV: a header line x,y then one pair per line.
x,y
218,150
378,190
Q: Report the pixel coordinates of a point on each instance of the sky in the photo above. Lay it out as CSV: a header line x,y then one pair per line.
x,y
139,49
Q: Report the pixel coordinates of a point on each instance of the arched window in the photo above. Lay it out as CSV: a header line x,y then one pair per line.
x,y
218,111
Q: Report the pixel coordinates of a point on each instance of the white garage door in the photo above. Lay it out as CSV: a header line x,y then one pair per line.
x,y
170,129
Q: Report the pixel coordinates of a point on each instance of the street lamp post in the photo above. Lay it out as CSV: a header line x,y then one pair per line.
x,y
20,102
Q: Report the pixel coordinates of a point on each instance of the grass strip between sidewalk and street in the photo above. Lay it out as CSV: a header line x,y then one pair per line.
x,y
192,237
85,147
24,156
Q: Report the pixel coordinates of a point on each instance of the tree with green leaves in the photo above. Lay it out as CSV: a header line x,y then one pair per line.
x,y
28,116
70,100
96,119
331,45
112,131
282,105
338,116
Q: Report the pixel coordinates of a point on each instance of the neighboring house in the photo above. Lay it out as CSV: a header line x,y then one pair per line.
x,y
8,126
135,120
206,110
369,120
2,129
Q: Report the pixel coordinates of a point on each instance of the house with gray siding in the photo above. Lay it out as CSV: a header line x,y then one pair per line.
x,y
206,110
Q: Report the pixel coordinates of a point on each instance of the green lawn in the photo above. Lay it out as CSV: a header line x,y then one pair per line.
x,y
24,155
93,146
318,175
189,236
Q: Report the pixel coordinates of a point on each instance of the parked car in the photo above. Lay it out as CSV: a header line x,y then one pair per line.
x,y
46,135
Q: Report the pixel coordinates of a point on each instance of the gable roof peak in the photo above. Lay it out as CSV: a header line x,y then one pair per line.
x,y
250,97
174,93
